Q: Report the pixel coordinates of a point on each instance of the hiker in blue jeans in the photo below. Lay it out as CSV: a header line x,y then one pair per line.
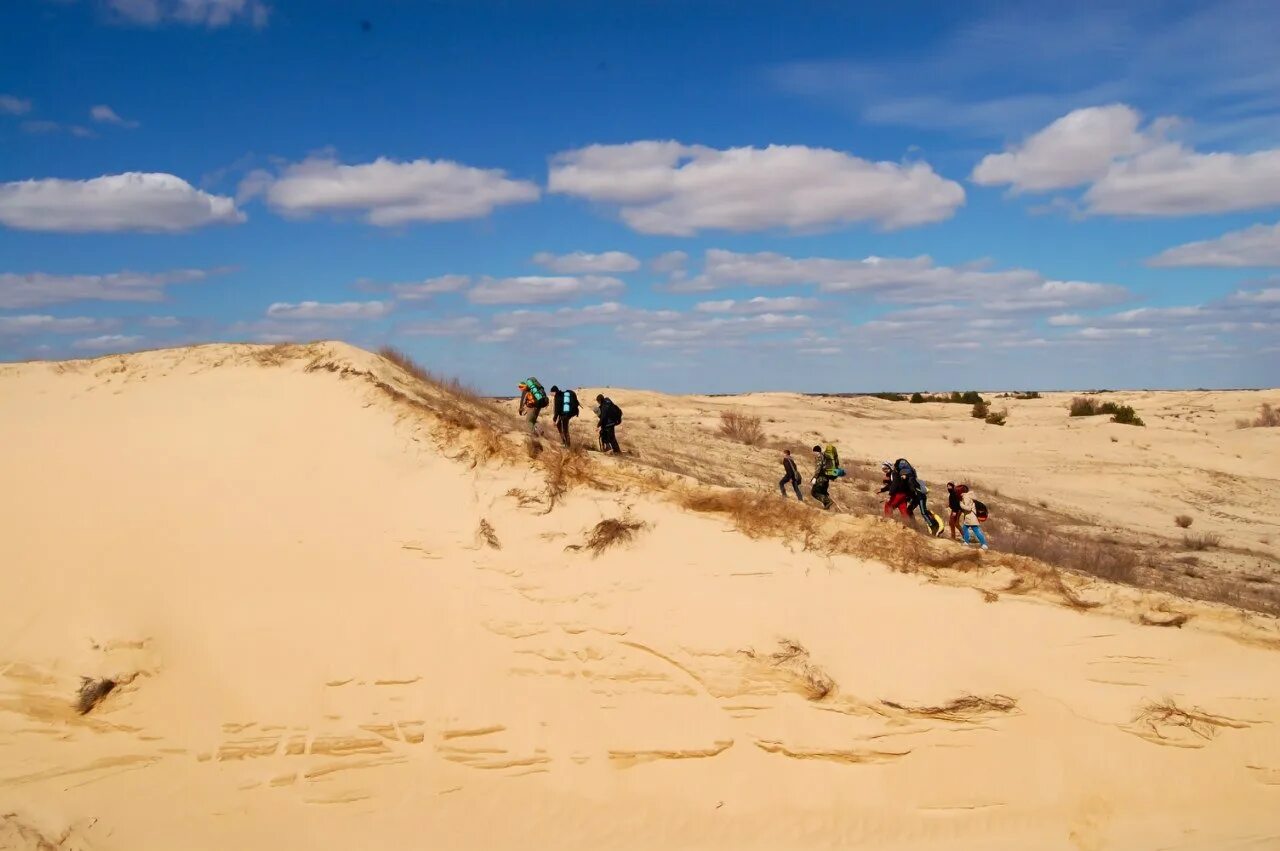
x,y
969,517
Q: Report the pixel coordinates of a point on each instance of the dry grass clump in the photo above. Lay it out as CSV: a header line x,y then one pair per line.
x,y
1106,559
1202,541
756,515
961,709
1162,615
92,692
609,533
563,469
792,658
1268,417
1182,521
741,428
1154,716
486,535
997,417
452,386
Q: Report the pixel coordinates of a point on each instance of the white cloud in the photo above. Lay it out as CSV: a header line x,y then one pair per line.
x,y
118,202
422,290
1066,319
388,192
106,342
1095,333
35,289
537,289
38,127
14,105
1254,246
1269,295
1172,180
675,189
914,279
1077,148
759,304
579,262
316,310
162,322
1134,172
33,324
208,13
104,114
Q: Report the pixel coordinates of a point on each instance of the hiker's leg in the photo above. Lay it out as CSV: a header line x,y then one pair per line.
x,y
964,530
977,533
782,484
532,417
955,525
795,485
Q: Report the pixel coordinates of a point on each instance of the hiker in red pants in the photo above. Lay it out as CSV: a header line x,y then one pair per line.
x,y
899,490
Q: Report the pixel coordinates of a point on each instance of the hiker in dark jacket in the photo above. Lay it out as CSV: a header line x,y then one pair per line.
x,y
560,416
899,490
821,481
953,503
610,417
790,475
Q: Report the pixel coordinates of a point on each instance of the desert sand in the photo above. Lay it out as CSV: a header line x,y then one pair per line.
x,y
343,612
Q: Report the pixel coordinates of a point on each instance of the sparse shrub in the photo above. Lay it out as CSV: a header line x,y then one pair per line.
x,y
1123,414
980,411
1182,521
741,428
1083,406
1027,394
1202,541
971,397
1115,439
917,398
889,397
957,440
997,417
1268,417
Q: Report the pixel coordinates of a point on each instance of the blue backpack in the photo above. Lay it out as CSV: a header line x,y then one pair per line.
x,y
568,404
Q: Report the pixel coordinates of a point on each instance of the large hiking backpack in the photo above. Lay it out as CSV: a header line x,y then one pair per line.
x,y
908,474
831,457
539,395
616,419
568,404
980,510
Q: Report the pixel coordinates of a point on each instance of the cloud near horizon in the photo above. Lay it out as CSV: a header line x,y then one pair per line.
x,y
134,201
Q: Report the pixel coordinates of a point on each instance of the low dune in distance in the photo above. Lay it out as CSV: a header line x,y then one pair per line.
x,y
295,597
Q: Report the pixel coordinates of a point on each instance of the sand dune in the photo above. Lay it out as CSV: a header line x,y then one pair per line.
x,y
345,614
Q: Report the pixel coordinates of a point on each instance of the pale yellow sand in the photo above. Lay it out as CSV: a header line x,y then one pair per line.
x,y
327,655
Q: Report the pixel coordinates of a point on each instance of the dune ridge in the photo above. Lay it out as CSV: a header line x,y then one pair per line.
x,y
341,608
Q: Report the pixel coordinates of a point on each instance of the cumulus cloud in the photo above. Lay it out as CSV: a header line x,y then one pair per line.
x,y
913,279
1077,148
35,289
106,343
207,13
759,304
669,262
104,114
133,201
14,105
537,289
35,324
387,192
580,262
679,190
1131,171
1254,246
317,310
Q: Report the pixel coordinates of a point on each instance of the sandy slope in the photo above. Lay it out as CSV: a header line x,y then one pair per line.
x,y
329,655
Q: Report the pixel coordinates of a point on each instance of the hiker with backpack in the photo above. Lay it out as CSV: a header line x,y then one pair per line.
x,y
532,400
564,407
918,496
826,469
971,514
898,489
790,475
610,418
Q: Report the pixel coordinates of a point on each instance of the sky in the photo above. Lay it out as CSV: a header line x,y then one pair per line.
x,y
695,196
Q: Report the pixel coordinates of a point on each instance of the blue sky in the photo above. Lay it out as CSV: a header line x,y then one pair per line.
x,y
706,196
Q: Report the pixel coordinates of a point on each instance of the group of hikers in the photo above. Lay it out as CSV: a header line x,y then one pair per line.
x,y
564,407
904,491
902,486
